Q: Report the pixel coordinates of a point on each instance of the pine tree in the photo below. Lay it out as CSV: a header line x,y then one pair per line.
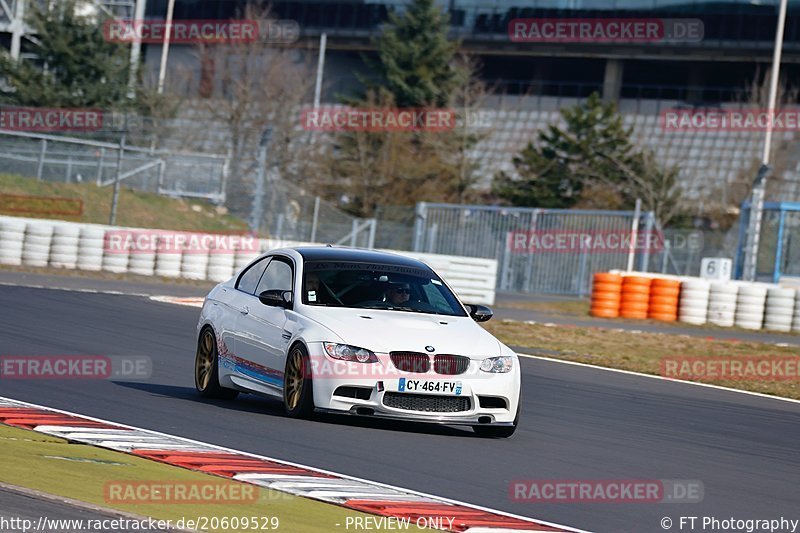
x,y
74,65
416,67
415,57
592,154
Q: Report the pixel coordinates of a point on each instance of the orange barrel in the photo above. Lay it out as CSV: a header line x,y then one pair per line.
x,y
606,294
664,296
635,297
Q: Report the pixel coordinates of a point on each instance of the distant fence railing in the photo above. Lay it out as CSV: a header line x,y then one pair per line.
x,y
75,160
554,251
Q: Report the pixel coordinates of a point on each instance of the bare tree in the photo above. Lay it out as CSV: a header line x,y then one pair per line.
x,y
241,89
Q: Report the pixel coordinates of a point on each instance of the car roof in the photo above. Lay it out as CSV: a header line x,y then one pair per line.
x,y
335,253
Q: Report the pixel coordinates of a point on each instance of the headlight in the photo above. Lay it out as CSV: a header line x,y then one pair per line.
x,y
498,365
345,352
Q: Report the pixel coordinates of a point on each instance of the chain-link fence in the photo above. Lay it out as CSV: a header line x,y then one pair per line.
x,y
291,213
778,244
556,251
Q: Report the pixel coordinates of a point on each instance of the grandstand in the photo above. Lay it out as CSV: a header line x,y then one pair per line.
x,y
534,80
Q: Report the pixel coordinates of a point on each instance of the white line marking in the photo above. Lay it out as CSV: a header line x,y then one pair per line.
x,y
72,289
298,465
662,378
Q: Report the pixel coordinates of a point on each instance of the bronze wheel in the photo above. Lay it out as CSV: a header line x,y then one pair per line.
x,y
298,395
206,371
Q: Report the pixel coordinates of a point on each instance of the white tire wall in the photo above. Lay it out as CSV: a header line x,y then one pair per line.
x,y
115,252
143,254
693,305
722,304
168,258
36,247
750,305
64,247
243,258
90,248
220,264
796,319
779,309
12,239
194,265
142,264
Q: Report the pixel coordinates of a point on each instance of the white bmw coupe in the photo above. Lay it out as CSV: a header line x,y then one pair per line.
x,y
360,332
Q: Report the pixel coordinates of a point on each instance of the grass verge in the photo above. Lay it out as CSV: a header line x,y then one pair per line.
x,y
640,351
135,208
580,309
80,472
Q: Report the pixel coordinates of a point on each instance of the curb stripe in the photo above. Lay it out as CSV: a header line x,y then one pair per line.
x,y
353,493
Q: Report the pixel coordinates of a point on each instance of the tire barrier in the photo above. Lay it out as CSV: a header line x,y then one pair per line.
x,y
64,247
606,295
168,259
242,258
36,248
194,263
664,295
693,307
90,247
779,309
12,237
221,264
722,303
635,298
750,304
796,319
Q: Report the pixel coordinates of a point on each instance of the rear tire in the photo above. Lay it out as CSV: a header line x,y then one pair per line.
x,y
206,369
298,391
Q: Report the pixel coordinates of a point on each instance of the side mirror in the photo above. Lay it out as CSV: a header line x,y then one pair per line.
x,y
479,313
276,298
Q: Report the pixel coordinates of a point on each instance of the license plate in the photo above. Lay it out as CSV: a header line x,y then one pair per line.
x,y
429,386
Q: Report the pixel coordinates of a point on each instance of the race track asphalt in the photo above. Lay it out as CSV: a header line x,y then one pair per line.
x,y
577,423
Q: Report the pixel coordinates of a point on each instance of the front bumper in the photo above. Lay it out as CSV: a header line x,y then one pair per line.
x,y
383,378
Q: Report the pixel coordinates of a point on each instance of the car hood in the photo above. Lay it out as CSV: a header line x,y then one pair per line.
x,y
383,331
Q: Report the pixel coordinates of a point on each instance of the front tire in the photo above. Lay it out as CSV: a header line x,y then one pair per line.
x,y
206,369
298,391
499,432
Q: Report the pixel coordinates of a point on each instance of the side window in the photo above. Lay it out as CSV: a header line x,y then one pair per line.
x,y
249,279
277,276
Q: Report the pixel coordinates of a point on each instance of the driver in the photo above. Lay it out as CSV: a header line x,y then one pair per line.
x,y
316,290
398,293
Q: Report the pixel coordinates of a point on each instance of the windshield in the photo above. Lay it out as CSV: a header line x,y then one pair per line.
x,y
378,286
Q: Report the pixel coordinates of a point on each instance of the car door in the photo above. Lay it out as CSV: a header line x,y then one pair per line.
x,y
261,337
233,302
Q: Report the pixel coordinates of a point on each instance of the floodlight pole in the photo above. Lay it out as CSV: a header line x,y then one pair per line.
x,y
760,184
162,70
136,46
